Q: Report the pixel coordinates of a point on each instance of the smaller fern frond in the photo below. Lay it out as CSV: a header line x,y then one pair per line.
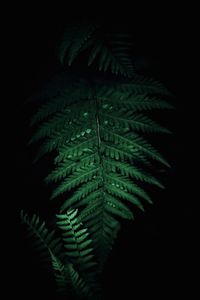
x,y
45,240
76,240
62,282
101,225
80,285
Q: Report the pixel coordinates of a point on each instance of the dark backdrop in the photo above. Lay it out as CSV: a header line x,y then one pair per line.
x,y
154,255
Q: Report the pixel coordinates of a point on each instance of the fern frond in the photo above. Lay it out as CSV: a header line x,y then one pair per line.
x,y
81,193
61,278
84,143
142,102
75,39
132,171
61,121
45,240
91,157
68,166
114,55
143,85
80,286
117,208
66,99
102,226
112,52
57,127
49,108
118,152
138,122
125,184
122,194
69,280
96,127
133,142
71,141
83,175
76,240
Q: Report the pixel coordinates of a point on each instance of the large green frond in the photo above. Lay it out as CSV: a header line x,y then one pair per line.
x,y
102,226
101,157
96,128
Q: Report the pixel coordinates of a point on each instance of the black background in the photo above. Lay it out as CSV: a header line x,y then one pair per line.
x,y
154,255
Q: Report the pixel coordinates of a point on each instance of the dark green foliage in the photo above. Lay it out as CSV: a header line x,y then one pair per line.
x,y
111,51
71,257
45,240
97,130
76,242
61,277
99,146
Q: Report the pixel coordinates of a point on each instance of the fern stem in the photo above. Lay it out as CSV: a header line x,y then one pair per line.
x,y
98,130
100,161
99,144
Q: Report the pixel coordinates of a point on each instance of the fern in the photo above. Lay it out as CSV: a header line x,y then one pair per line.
x,y
45,240
79,284
74,40
71,274
61,277
113,54
111,51
68,280
94,150
76,242
98,132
